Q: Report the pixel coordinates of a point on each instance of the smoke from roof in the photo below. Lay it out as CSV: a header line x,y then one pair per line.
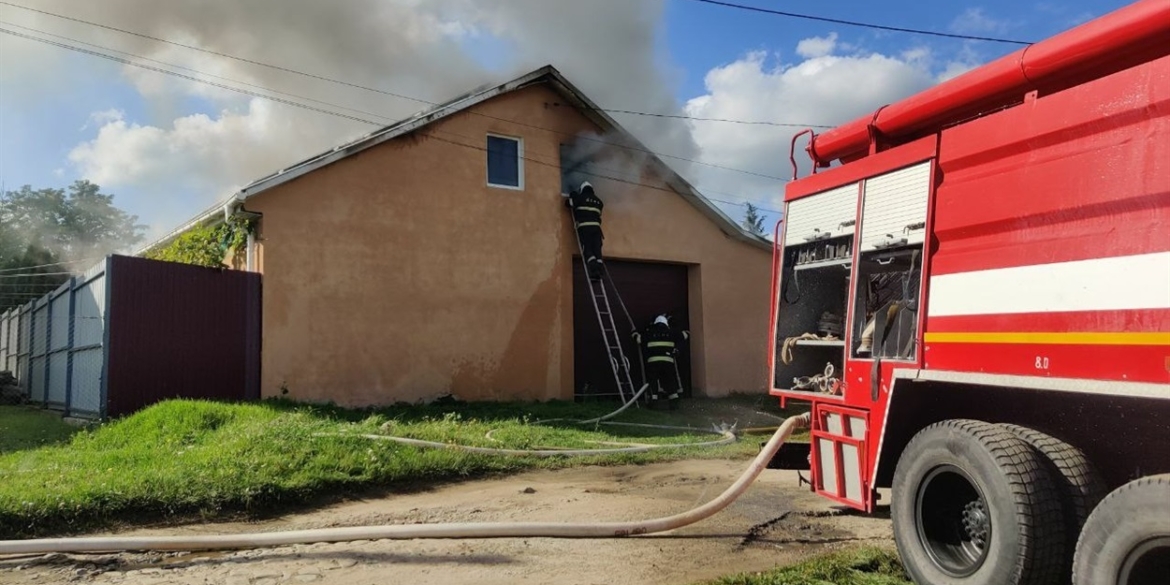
x,y
428,49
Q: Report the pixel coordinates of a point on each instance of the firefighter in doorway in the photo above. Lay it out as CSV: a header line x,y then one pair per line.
x,y
659,347
586,208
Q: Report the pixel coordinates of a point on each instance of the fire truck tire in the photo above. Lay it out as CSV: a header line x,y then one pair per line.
x,y
945,528
1126,540
1080,484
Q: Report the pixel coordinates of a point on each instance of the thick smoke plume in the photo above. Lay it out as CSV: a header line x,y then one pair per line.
x,y
427,49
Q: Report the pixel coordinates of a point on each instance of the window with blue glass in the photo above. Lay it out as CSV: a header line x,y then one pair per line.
x,y
504,162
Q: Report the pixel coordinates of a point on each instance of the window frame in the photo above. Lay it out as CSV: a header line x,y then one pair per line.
x,y
519,140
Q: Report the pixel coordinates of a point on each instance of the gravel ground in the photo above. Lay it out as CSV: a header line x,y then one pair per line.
x,y
775,522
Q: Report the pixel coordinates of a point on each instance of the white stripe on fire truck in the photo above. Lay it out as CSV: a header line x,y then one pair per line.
x,y
1104,284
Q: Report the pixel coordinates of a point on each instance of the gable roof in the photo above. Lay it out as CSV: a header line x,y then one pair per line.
x,y
545,75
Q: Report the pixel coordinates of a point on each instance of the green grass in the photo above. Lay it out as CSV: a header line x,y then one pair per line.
x,y
182,458
863,566
26,428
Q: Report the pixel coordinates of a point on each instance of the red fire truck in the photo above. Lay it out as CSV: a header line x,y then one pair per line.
x,y
972,291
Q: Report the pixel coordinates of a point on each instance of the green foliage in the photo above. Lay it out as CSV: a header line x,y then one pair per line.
x,y
49,226
181,458
205,245
863,566
753,221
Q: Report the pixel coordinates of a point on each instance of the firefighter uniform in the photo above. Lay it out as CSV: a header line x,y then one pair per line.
x,y
660,345
586,207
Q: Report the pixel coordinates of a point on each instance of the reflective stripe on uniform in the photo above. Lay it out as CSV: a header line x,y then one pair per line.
x,y
593,209
660,344
660,358
588,223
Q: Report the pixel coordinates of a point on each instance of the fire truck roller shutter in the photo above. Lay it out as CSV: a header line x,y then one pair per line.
x,y
893,230
975,504
826,214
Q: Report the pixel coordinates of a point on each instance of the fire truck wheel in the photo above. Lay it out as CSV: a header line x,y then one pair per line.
x,y
1126,540
1080,484
974,504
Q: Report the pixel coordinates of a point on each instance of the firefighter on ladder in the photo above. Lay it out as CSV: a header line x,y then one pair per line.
x,y
586,208
659,346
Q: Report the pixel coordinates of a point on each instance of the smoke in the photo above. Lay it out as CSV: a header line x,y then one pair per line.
x,y
605,47
614,165
417,48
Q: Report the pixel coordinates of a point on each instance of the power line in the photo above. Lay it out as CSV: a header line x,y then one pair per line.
x,y
32,274
311,108
598,175
73,40
611,176
859,24
373,89
729,121
320,110
187,77
50,265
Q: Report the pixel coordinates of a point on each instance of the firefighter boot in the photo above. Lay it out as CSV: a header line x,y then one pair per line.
x,y
673,400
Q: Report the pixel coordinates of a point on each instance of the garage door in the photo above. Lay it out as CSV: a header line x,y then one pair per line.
x,y
648,290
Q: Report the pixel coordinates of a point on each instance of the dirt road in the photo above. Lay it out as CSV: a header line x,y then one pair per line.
x,y
775,522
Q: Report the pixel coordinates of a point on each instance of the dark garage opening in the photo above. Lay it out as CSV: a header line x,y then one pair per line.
x,y
648,289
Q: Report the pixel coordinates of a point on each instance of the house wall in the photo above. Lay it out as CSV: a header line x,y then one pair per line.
x,y
396,274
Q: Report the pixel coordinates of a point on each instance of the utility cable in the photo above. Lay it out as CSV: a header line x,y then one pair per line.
x,y
187,77
32,274
304,106
387,119
615,174
617,179
724,120
367,88
49,265
859,24
204,73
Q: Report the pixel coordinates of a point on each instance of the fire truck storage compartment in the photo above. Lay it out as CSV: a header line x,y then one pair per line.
x,y
890,259
818,253
839,455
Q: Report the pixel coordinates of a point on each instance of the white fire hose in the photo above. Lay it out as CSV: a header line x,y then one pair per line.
x,y
412,531
726,437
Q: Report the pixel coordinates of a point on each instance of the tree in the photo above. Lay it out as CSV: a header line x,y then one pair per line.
x,y
753,221
44,232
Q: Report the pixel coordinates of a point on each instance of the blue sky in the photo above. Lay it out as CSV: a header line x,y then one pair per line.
x,y
52,101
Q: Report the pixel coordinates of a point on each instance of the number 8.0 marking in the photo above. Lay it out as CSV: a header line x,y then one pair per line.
x,y
1041,363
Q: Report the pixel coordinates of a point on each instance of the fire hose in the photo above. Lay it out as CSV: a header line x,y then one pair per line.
x,y
413,531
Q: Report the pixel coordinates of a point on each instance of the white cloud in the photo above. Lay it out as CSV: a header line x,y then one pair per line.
x,y
210,154
955,69
817,46
184,161
822,90
974,21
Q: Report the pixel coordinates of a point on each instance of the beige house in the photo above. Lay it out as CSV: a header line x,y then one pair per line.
x,y
436,257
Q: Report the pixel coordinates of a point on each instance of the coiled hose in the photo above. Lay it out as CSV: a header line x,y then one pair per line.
x,y
412,531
